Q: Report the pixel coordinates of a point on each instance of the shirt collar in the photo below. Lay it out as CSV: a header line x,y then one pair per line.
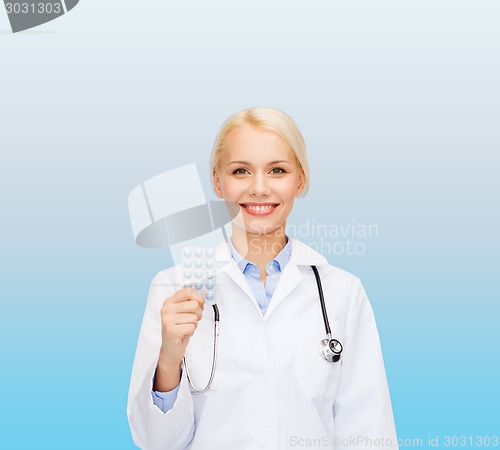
x,y
281,258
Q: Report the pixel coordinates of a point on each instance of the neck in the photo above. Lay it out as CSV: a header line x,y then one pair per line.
x,y
258,248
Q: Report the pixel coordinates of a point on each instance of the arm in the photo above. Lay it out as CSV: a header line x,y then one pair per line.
x,y
151,428
362,408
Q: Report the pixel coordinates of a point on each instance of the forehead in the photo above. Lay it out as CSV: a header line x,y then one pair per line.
x,y
249,143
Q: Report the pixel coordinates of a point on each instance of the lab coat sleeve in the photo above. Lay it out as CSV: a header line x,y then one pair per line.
x,y
362,409
165,400
151,428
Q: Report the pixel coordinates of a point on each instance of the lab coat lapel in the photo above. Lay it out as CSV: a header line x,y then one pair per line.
x,y
234,272
289,279
302,255
229,267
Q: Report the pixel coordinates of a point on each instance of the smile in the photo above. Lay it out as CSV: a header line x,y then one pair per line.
x,y
259,209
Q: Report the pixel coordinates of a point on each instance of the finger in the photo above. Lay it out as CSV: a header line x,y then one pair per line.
x,y
190,306
195,295
185,318
185,294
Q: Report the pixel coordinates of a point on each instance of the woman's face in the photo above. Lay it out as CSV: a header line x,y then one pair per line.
x,y
260,173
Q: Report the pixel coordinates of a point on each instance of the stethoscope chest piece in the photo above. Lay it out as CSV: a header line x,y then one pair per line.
x,y
330,349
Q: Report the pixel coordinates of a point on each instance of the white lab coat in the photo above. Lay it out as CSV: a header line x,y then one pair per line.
x,y
272,389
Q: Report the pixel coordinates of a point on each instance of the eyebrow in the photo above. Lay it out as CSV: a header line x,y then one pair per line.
x,y
249,164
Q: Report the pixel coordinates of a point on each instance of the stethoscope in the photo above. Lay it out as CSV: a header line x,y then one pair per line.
x,y
329,348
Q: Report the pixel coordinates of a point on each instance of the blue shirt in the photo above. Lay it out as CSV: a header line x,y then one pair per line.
x,y
263,294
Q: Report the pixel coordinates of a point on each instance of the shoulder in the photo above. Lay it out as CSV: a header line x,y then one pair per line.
x,y
305,255
164,284
343,291
168,274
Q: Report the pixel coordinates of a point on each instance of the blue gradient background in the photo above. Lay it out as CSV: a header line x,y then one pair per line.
x,y
399,104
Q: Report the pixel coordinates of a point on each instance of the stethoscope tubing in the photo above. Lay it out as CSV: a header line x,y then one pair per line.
x,y
330,348
328,330
194,389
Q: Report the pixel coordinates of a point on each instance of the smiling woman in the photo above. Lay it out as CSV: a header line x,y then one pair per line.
x,y
275,370
259,172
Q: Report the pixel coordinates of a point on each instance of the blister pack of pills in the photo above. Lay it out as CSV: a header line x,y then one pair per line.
x,y
198,270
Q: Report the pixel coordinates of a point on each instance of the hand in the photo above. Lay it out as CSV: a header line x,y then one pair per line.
x,y
179,318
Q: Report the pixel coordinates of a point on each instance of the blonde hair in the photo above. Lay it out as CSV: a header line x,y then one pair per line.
x,y
267,119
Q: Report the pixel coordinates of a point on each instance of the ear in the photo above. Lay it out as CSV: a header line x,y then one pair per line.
x,y
302,183
216,184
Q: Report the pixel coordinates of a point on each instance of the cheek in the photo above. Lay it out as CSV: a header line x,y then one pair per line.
x,y
288,190
229,189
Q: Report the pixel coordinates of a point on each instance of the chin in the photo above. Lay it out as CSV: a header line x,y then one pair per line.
x,y
263,230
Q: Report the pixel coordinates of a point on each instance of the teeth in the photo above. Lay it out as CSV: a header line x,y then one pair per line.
x,y
260,208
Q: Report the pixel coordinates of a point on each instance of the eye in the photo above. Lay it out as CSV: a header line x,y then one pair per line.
x,y
239,171
278,170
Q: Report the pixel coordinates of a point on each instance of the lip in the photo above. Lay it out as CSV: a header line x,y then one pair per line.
x,y
264,212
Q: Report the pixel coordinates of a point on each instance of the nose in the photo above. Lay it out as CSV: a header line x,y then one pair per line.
x,y
259,186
